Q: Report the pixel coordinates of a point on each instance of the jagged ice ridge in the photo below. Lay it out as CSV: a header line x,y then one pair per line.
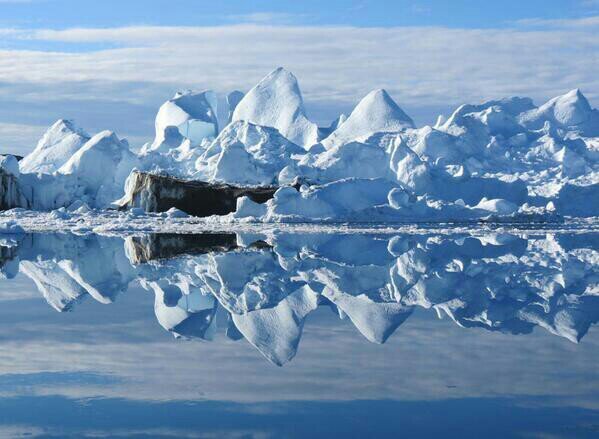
x,y
503,159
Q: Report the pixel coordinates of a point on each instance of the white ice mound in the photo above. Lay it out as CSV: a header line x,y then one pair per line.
x,y
247,154
193,114
375,113
59,143
571,110
277,102
99,169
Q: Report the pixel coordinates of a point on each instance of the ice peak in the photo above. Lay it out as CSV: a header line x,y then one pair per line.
x,y
281,71
575,92
569,109
57,145
61,128
376,112
63,124
384,109
276,101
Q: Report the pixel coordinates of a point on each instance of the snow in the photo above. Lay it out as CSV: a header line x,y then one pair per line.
x,y
88,166
277,102
59,143
173,212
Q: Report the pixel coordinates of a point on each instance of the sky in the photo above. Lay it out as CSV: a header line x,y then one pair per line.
x,y
110,64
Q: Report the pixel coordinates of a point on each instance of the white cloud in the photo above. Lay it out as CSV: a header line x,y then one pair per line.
x,y
422,67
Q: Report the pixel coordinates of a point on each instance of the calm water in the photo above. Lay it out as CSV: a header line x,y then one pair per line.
x,y
288,335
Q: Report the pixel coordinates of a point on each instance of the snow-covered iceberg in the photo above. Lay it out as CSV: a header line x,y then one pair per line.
x,y
498,160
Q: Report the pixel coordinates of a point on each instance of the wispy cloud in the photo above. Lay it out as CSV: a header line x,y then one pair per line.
x,y
578,23
269,18
419,8
590,3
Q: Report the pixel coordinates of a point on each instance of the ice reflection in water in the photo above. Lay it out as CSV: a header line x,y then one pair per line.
x,y
268,285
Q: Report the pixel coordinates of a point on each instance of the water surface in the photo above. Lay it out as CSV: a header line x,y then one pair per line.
x,y
296,335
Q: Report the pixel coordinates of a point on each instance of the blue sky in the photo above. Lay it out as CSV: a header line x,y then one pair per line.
x,y
62,14
109,64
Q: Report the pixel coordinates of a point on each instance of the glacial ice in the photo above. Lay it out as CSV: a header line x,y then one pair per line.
x,y
194,115
502,159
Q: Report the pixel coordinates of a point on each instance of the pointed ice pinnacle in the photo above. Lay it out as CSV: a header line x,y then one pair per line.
x,y
277,102
376,112
569,109
59,143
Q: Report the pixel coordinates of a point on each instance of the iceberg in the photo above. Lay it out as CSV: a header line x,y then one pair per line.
x,y
505,159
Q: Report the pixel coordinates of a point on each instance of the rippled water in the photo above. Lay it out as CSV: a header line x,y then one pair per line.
x,y
300,335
